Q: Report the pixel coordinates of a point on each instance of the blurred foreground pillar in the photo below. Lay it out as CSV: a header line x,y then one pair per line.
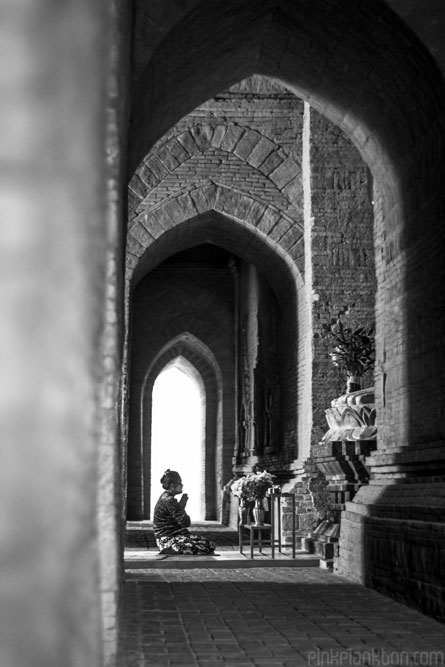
x,y
52,259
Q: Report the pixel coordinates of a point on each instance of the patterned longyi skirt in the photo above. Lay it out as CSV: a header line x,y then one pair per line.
x,y
185,543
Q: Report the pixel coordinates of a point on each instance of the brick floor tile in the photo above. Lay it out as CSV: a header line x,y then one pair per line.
x,y
262,617
260,652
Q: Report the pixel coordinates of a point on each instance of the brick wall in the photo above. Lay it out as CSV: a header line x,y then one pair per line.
x,y
342,252
392,540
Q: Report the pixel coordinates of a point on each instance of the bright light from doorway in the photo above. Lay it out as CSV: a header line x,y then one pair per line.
x,y
178,433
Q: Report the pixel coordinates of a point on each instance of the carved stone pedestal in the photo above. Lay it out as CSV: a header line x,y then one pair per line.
x,y
341,458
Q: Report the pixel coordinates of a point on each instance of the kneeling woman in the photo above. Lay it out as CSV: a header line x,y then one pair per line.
x,y
170,521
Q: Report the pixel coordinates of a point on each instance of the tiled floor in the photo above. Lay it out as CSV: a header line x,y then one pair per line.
x,y
267,617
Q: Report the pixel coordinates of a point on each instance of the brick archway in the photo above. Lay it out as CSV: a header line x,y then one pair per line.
x,y
219,44
250,217
201,358
251,244
248,145
393,115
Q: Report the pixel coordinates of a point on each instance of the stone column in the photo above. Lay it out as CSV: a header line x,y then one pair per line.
x,y
52,252
397,520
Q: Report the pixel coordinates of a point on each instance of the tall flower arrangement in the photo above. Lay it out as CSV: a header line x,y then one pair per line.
x,y
253,486
353,348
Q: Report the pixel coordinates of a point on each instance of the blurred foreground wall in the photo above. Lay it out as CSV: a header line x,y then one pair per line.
x,y
52,259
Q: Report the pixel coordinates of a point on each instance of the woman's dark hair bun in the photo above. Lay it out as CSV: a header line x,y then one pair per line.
x,y
170,477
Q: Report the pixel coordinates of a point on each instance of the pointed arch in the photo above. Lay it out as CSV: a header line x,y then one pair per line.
x,y
178,432
200,357
277,267
224,216
219,44
393,115
250,146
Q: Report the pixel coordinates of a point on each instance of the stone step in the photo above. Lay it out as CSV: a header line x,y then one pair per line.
x,y
140,560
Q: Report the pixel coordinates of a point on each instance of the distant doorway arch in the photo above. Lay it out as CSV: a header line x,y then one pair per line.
x,y
189,353
178,432
284,278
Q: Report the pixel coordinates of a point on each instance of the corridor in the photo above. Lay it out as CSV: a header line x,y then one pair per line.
x,y
208,616
251,193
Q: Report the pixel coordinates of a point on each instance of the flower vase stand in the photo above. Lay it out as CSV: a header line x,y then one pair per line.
x,y
259,539
273,528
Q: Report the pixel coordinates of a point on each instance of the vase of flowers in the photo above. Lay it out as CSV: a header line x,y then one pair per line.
x,y
243,511
253,488
240,492
258,512
353,348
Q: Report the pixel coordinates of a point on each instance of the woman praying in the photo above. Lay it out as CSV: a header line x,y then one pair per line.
x,y
171,521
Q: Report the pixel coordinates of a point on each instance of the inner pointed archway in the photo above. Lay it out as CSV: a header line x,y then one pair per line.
x,y
178,432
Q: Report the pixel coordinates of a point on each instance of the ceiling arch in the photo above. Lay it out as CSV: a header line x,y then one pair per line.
x,y
240,238
250,146
154,19
340,57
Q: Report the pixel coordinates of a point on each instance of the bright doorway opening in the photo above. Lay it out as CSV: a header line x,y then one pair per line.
x,y
178,432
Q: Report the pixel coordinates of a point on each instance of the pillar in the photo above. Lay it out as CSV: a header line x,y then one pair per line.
x,y
52,250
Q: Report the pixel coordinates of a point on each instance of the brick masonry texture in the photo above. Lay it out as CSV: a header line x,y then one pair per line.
x,y
267,617
240,153
402,524
261,130
342,250
223,168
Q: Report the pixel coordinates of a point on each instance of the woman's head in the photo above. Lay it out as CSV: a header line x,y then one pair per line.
x,y
170,478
